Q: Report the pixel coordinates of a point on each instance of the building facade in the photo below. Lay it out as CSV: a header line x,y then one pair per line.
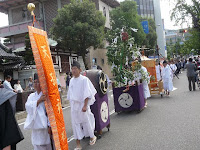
x,y
161,41
173,36
151,9
19,18
145,8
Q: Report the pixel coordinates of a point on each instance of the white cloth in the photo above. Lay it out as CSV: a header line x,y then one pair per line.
x,y
7,85
18,88
42,147
37,120
6,94
167,78
158,72
83,123
145,85
138,76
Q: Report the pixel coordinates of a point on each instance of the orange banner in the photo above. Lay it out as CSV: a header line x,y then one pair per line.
x,y
48,82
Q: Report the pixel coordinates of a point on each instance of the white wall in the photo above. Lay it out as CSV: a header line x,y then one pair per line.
x,y
160,28
108,9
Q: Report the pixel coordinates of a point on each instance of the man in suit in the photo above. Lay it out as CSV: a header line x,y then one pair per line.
x,y
191,74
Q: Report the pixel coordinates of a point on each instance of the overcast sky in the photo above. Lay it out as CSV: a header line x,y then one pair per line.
x,y
165,8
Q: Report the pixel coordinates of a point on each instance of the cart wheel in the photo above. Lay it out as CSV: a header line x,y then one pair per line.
x,y
108,126
99,136
108,129
161,95
139,111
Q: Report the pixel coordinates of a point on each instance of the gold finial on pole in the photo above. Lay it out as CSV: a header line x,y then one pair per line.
x,y
31,8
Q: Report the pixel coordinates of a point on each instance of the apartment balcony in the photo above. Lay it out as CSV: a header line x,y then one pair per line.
x,y
6,4
18,28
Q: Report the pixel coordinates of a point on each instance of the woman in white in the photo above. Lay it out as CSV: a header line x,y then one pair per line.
x,y
167,78
158,70
142,73
18,87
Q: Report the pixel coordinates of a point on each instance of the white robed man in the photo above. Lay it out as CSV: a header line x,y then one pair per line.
x,y
143,74
167,78
173,68
81,96
37,119
158,70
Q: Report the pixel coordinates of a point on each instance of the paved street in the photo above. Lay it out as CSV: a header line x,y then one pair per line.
x,y
170,123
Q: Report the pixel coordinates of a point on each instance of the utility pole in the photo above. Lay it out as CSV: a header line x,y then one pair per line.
x,y
157,51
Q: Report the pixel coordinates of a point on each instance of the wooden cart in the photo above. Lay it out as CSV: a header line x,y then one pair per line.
x,y
155,87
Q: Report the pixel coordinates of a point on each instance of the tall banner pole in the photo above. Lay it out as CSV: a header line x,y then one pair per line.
x,y
48,82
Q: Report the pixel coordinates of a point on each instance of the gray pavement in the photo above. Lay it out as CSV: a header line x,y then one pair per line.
x,y
170,123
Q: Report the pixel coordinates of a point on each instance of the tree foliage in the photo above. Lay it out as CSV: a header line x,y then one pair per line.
x,y
183,10
28,54
193,41
181,49
127,16
78,26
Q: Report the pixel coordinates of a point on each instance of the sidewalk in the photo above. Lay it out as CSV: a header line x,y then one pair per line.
x,y
21,116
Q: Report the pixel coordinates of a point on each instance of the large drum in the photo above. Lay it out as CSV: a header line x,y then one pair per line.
x,y
100,108
98,79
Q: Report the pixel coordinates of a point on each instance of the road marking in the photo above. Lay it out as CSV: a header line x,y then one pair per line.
x,y
112,112
174,89
70,139
66,107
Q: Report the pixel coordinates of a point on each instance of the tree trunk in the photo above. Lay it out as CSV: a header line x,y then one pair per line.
x,y
84,60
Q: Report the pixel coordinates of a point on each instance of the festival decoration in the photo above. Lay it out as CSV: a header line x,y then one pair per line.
x,y
48,82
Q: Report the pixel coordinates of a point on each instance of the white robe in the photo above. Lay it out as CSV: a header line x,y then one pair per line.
x,y
37,121
167,78
144,82
83,123
158,72
173,70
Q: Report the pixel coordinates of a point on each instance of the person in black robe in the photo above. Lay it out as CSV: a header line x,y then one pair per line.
x,y
10,133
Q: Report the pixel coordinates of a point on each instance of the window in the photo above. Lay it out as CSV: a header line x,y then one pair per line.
x,y
102,61
104,11
94,60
